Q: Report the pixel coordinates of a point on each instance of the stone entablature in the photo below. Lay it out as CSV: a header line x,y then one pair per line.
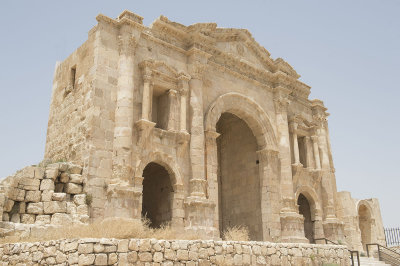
x,y
109,251
135,104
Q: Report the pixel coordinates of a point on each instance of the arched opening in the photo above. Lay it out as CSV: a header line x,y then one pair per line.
x,y
157,195
305,210
238,176
364,219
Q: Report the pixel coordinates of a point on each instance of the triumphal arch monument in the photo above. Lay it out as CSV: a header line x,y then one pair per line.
x,y
198,126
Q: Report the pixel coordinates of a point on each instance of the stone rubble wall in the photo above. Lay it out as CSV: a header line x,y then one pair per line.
x,y
170,252
39,196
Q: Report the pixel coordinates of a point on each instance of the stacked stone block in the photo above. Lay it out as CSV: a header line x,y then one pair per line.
x,y
170,252
44,195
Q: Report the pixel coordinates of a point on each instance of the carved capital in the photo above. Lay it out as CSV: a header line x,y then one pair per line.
x,y
314,139
281,101
211,136
183,83
197,70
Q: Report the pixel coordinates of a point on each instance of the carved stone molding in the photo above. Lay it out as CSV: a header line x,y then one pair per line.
x,y
144,128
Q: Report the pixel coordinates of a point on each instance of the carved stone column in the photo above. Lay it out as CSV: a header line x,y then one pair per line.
x,y
183,90
197,65
270,200
295,143
316,152
292,228
123,131
309,152
147,94
172,110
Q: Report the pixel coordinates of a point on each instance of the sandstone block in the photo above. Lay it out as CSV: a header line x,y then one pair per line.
x,y
16,194
6,217
42,219
73,258
75,169
110,248
61,219
59,196
22,207
71,246
182,254
98,248
27,218
60,257
112,258
84,210
51,173
29,183
85,248
8,205
47,184
51,207
33,196
101,259
132,257
64,177
35,208
75,178
122,244
72,188
158,257
46,195
86,259
37,256
133,245
145,257
39,173
80,199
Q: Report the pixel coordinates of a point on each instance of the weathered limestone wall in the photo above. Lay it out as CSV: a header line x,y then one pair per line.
x,y
170,252
70,113
39,196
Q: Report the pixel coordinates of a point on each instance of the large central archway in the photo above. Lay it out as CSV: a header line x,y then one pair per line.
x,y
238,176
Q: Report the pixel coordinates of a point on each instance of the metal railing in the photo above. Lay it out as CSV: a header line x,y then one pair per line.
x,y
392,236
352,252
385,254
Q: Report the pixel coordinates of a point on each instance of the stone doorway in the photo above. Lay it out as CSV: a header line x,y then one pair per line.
x,y
305,210
238,176
157,195
364,220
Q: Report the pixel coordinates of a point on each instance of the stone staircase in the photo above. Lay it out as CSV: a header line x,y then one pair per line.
x,y
364,261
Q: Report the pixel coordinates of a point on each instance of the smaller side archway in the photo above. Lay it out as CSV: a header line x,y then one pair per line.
x,y
364,212
309,208
162,190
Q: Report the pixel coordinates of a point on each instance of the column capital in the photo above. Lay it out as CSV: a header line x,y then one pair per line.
x,y
293,127
197,60
172,92
281,99
314,138
183,83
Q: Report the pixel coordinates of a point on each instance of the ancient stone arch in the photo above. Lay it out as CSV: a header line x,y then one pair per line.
x,y
169,164
312,198
247,110
365,222
259,123
164,160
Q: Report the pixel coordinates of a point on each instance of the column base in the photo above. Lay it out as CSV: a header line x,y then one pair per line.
x,y
292,226
199,214
123,201
334,230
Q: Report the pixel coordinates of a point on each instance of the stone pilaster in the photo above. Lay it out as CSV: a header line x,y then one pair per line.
x,y
309,152
123,131
172,94
291,222
199,209
270,203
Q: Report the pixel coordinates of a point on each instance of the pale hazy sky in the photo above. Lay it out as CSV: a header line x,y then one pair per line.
x,y
347,51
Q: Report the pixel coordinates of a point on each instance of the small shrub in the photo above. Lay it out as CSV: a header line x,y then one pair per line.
x,y
89,199
236,233
312,257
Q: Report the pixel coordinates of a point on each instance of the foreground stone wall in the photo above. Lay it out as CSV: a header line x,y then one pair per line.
x,y
170,252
